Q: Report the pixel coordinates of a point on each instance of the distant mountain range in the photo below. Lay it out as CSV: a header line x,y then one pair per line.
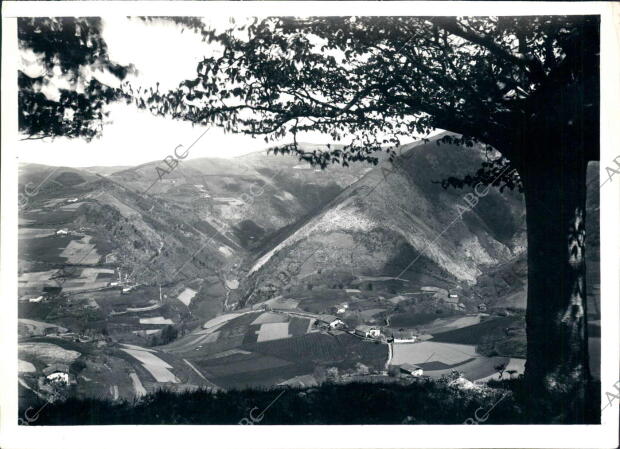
x,y
261,270
261,222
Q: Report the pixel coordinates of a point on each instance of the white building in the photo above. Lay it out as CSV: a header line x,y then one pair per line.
x,y
368,331
332,321
404,336
59,377
62,232
37,299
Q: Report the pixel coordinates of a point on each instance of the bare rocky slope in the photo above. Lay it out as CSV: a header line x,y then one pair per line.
x,y
397,221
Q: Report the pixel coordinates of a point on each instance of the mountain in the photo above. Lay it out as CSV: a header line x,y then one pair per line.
x,y
249,198
226,269
201,220
397,222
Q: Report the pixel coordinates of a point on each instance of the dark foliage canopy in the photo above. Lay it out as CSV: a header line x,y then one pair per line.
x,y
377,80
69,49
368,81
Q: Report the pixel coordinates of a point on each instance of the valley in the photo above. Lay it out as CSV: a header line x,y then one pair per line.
x,y
259,271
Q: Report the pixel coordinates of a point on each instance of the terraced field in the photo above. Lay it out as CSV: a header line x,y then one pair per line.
x,y
256,348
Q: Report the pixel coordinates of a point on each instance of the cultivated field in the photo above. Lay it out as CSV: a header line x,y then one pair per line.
x,y
272,331
186,296
269,317
81,252
156,366
473,334
47,352
427,351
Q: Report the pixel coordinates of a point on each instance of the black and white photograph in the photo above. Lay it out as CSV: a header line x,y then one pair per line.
x,y
311,216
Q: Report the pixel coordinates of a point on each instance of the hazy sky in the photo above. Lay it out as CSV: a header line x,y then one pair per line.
x,y
160,52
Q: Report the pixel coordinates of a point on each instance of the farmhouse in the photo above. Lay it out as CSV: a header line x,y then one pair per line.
x,y
331,321
72,200
411,370
62,232
37,299
368,331
403,336
58,377
482,307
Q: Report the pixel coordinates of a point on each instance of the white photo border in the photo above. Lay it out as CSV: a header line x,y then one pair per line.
x,y
323,436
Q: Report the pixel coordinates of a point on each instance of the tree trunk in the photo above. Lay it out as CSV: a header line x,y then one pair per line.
x,y
557,347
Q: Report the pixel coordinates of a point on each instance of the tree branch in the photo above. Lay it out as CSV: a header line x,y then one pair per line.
x,y
450,24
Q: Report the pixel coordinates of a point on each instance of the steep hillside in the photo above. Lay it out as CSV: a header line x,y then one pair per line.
x,y
250,198
398,222
227,272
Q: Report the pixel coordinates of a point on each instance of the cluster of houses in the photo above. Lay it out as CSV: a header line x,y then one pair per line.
x,y
123,283
332,322
124,290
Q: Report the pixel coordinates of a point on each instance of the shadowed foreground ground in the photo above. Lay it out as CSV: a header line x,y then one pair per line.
x,y
426,402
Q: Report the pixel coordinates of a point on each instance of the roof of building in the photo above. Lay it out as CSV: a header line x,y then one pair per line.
x,y
327,318
56,368
403,334
365,328
409,367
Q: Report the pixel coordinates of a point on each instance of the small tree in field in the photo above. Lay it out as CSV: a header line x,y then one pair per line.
x,y
500,369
